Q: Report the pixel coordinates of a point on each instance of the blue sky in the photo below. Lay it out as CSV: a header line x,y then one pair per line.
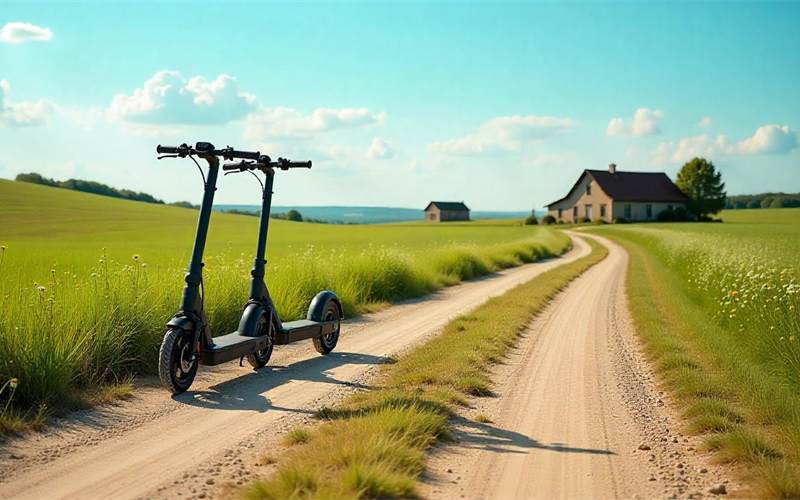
x,y
501,105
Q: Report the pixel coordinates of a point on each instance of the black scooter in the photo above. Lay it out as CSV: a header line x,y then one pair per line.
x,y
188,340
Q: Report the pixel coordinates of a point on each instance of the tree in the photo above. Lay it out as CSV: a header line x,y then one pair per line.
x,y
531,220
294,215
780,202
700,181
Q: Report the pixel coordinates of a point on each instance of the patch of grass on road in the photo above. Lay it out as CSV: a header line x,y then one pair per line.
x,y
372,446
743,400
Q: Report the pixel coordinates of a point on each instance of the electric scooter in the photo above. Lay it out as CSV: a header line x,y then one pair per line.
x,y
188,341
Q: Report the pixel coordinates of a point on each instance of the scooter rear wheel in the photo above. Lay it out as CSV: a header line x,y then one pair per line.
x,y
177,364
324,344
261,358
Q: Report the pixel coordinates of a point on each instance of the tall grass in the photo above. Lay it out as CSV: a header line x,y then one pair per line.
x,y
716,306
79,330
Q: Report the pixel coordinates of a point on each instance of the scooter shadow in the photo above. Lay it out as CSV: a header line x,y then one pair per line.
x,y
246,393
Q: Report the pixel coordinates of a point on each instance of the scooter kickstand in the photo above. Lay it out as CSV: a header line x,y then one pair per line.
x,y
241,361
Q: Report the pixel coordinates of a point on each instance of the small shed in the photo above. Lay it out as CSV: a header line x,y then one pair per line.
x,y
444,211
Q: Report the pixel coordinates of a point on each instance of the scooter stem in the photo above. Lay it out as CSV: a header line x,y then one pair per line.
x,y
258,289
191,292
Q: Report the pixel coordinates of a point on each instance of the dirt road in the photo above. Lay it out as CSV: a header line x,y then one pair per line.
x,y
184,447
576,404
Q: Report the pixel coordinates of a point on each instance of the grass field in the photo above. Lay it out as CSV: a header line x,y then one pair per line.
x,y
87,282
372,445
718,309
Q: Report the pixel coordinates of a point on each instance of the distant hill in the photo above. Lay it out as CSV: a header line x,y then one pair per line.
x,y
366,215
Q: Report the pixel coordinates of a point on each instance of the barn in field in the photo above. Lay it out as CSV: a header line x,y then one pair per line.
x,y
611,194
445,211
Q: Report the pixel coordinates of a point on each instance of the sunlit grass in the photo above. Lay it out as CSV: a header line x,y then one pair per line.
x,y
87,283
716,307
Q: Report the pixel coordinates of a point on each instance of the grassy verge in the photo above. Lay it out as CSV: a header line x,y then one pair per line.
x,y
372,446
75,335
747,410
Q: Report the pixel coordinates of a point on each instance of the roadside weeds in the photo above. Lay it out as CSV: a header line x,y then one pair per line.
x,y
373,444
745,418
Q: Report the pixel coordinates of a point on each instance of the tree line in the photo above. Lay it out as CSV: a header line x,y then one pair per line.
x,y
97,188
763,200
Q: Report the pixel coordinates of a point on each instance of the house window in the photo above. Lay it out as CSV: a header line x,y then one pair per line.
x,y
433,216
649,209
627,211
575,211
602,210
589,188
560,211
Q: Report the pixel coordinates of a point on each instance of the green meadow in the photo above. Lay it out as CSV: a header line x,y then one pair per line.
x,y
718,309
88,282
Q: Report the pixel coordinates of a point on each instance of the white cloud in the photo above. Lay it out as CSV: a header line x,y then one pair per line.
x,y
644,122
705,122
290,123
769,139
168,98
22,32
552,159
22,114
381,149
690,147
503,135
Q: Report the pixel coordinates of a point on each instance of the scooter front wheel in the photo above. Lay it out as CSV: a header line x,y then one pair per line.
x,y
324,344
177,364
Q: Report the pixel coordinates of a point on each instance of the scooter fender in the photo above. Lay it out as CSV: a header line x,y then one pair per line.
x,y
248,324
182,322
320,302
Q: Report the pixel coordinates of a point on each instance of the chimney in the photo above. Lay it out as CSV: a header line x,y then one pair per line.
x,y
612,168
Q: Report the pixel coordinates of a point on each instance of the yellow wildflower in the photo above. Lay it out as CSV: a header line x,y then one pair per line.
x,y
13,383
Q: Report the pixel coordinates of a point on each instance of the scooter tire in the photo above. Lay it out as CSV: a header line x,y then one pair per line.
x,y
261,358
175,370
324,344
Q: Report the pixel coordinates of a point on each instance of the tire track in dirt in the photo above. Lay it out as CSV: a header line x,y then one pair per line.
x,y
157,446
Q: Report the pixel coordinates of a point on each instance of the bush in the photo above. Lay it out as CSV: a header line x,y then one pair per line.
x,y
583,220
294,215
531,220
548,220
620,220
560,221
598,222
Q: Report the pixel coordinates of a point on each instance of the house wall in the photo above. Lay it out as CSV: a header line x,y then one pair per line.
x,y
452,215
433,214
580,198
639,210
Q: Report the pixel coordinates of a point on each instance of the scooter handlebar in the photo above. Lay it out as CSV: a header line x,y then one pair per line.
x,y
285,164
172,150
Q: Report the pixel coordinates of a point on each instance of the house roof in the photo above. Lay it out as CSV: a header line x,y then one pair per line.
x,y
633,186
448,205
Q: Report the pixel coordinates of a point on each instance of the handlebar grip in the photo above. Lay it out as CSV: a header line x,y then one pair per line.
x,y
232,166
245,155
295,164
170,150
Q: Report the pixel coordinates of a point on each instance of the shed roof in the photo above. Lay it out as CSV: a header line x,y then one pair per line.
x,y
448,205
633,186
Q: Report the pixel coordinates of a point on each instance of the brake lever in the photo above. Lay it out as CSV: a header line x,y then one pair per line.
x,y
168,156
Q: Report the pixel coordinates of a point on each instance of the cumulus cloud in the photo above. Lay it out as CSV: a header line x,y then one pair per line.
x,y
644,122
769,139
381,149
705,122
22,32
690,147
22,114
503,135
168,98
290,123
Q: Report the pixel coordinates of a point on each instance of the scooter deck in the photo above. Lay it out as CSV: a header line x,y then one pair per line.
x,y
234,345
